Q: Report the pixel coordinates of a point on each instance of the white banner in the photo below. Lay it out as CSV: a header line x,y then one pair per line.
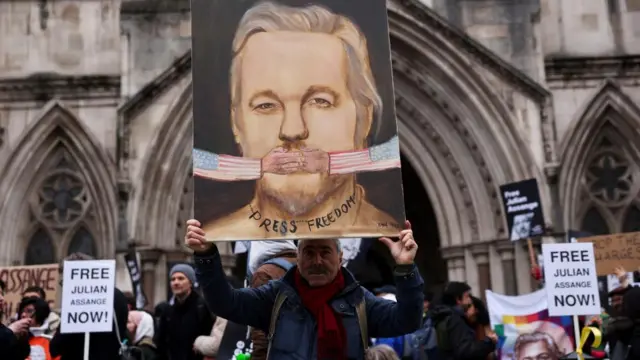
x,y
525,329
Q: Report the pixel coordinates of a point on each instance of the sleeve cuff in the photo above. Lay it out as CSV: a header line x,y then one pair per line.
x,y
405,271
201,257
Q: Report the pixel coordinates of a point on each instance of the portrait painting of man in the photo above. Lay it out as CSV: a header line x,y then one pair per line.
x,y
294,121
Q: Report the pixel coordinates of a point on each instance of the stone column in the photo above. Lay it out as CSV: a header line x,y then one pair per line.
x,y
480,253
454,256
506,253
148,264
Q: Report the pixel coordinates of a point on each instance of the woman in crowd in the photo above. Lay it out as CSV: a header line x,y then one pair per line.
x,y
478,319
38,311
141,330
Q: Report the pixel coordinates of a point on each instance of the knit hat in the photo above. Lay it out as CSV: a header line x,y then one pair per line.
x,y
186,270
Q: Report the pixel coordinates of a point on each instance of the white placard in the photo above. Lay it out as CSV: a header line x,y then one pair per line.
x,y
570,279
87,296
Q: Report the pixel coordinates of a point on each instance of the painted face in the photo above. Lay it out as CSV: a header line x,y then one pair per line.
x,y
319,261
180,284
535,351
294,95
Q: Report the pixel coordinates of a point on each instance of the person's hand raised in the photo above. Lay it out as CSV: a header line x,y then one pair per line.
x,y
404,250
20,327
195,237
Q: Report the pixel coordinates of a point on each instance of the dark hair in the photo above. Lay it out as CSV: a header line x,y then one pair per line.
x,y
131,299
454,292
630,302
3,285
482,316
36,289
428,296
40,305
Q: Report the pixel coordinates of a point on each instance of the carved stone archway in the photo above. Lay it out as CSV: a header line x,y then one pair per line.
x,y
59,143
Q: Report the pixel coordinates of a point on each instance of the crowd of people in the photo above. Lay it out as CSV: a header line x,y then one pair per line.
x,y
299,305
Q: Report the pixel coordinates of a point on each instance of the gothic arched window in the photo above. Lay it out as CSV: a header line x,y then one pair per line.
x,y
185,211
40,249
610,193
60,209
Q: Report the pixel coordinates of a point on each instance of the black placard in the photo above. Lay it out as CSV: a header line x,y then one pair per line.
x,y
523,209
136,279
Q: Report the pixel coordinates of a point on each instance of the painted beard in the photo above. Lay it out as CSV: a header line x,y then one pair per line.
x,y
299,194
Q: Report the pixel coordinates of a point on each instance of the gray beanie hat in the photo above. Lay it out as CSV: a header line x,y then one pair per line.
x,y
185,269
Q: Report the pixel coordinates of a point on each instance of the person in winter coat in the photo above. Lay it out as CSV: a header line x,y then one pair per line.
x,y
477,317
317,309
208,345
38,311
103,346
627,328
268,269
188,318
456,338
141,331
53,320
14,344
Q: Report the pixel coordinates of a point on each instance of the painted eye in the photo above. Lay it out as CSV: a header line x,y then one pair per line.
x,y
324,103
265,107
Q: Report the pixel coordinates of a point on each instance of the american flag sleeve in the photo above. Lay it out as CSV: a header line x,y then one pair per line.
x,y
376,158
224,167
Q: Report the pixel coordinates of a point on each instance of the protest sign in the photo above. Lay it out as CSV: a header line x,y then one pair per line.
x,y
131,259
615,250
570,279
87,296
19,278
301,150
523,209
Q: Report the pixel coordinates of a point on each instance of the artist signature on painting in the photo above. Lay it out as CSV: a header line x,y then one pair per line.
x,y
386,225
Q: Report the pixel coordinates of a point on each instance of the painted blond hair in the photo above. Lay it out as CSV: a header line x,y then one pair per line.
x,y
269,17
381,352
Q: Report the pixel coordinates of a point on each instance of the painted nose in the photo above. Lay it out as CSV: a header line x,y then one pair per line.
x,y
293,127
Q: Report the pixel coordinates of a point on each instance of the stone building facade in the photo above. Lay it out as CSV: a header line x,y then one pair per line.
x,y
95,128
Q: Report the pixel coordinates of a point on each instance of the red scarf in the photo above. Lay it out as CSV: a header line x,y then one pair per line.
x,y
332,337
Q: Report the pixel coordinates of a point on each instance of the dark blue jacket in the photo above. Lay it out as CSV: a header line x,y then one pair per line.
x,y
295,333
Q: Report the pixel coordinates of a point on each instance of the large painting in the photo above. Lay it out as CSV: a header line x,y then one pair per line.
x,y
294,121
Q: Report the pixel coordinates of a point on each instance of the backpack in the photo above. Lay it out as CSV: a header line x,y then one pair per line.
x,y
361,312
424,343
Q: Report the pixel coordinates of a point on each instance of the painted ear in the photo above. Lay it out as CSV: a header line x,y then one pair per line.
x,y
365,125
236,131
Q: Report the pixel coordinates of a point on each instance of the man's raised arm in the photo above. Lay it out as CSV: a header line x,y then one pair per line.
x,y
391,319
250,307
